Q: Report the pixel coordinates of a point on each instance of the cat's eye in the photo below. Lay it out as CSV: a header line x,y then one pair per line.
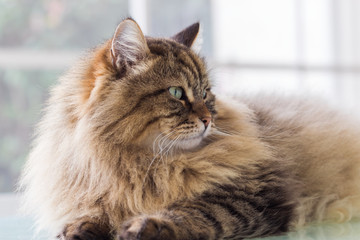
x,y
176,92
204,94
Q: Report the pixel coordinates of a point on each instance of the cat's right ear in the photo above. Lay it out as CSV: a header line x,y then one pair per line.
x,y
128,45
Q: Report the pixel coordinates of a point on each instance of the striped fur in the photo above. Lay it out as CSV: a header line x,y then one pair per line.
x,y
116,156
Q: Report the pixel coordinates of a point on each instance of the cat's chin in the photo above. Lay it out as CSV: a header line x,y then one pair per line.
x,y
190,143
193,141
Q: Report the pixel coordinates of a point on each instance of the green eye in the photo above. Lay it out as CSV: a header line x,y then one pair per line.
x,y
176,92
204,94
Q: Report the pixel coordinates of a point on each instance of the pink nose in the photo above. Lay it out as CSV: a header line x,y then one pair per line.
x,y
206,120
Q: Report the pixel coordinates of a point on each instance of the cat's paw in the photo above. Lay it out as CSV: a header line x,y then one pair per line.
x,y
84,230
147,228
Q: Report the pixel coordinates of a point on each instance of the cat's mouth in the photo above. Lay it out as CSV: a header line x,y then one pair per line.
x,y
193,140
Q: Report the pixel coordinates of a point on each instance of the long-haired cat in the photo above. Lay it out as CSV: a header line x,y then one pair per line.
x,y
133,145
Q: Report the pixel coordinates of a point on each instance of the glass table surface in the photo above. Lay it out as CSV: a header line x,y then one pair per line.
x,y
20,228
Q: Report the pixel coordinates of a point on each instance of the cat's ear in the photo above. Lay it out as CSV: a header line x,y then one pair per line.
x,y
128,44
190,37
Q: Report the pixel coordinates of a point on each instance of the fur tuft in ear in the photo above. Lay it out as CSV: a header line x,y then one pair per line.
x,y
128,44
190,37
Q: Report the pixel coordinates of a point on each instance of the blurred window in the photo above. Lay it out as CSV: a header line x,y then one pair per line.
x,y
38,40
291,46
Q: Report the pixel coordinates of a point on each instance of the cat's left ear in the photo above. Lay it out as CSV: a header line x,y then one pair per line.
x,y
128,45
190,37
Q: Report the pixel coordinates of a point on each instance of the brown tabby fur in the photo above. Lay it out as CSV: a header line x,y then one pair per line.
x,y
102,166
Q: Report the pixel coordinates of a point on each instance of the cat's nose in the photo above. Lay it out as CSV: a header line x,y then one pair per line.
x,y
206,120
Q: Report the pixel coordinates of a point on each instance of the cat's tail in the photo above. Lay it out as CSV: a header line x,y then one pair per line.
x,y
329,208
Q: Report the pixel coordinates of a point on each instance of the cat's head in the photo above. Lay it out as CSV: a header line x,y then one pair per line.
x,y
149,91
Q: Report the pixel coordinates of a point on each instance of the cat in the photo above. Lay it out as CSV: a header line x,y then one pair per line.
x,y
134,145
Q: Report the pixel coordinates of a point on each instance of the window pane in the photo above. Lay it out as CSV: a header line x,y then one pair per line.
x,y
235,81
317,32
255,31
58,24
21,96
166,18
37,36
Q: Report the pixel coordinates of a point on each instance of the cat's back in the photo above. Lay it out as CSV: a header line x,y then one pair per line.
x,y
302,118
322,140
304,122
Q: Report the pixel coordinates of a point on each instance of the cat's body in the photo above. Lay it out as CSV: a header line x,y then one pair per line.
x,y
134,146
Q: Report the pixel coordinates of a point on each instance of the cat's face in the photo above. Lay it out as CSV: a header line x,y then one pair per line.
x,y
159,95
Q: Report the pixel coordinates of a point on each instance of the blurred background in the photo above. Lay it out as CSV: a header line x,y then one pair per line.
x,y
287,46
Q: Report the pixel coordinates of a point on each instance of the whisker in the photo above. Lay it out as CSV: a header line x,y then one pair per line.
x,y
171,146
222,133
162,140
156,139
166,154
275,137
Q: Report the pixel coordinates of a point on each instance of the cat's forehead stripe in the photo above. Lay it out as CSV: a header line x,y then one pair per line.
x,y
186,56
189,76
182,55
189,65
196,64
189,70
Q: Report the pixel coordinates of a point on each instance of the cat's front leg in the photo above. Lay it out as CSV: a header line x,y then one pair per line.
x,y
227,212
167,226
86,229
147,228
